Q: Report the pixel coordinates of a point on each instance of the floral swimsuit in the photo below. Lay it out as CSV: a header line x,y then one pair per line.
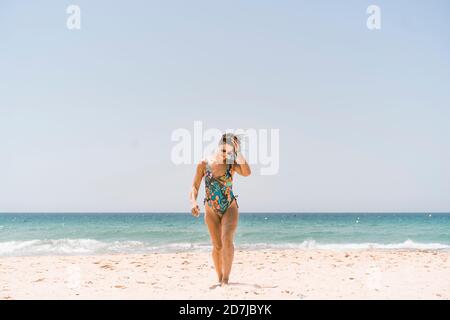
x,y
219,190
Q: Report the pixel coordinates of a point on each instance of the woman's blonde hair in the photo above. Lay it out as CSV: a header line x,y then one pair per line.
x,y
229,138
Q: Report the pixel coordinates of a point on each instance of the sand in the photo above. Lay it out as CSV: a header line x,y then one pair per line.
x,y
258,274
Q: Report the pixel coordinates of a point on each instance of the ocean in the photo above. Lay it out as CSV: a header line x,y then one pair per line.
x,y
107,233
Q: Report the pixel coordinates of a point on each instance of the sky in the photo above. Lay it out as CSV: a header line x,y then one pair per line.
x,y
86,116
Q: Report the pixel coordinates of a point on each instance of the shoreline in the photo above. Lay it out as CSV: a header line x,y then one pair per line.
x,y
256,274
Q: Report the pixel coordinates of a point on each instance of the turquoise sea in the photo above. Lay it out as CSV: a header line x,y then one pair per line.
x,y
98,233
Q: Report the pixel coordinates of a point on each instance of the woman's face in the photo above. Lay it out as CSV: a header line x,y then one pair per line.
x,y
227,153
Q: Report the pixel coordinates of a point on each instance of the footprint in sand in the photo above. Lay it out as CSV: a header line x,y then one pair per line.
x,y
287,291
107,266
119,286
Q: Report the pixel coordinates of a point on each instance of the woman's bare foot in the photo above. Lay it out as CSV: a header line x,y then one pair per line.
x,y
224,282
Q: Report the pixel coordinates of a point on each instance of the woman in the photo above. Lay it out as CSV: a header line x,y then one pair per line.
x,y
221,209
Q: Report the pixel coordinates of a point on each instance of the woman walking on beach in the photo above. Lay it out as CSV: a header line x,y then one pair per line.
x,y
221,209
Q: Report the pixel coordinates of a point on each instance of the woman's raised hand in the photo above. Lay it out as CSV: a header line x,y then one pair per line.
x,y
237,146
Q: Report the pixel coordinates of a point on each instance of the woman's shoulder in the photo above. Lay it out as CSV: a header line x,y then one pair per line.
x,y
204,163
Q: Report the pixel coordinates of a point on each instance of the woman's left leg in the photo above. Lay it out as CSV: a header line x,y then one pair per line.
x,y
229,224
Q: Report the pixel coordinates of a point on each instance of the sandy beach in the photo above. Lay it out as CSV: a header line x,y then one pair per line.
x,y
257,274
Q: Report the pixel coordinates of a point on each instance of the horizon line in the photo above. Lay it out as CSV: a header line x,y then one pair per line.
x,y
244,212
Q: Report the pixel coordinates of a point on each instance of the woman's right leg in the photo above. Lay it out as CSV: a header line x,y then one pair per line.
x,y
212,220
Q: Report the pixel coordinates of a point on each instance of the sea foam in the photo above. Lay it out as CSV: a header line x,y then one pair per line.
x,y
92,246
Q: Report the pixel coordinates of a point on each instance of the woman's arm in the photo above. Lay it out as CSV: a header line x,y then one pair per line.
x,y
200,172
241,166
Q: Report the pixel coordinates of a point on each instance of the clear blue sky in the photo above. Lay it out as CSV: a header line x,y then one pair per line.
x,y
86,116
